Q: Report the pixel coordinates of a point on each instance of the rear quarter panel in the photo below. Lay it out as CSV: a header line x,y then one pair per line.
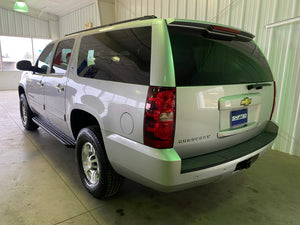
x,y
118,107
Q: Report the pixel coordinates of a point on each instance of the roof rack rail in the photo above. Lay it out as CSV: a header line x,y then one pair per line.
x,y
124,21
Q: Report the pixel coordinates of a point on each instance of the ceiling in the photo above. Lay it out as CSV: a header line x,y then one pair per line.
x,y
56,7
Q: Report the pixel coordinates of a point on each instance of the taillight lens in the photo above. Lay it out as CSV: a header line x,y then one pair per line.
x,y
274,99
159,119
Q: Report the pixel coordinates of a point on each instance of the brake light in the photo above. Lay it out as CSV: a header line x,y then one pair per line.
x,y
274,99
225,29
159,118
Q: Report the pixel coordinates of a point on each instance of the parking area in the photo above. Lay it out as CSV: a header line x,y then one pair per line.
x,y
39,184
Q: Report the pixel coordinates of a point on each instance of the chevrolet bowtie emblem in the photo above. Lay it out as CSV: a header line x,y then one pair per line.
x,y
246,101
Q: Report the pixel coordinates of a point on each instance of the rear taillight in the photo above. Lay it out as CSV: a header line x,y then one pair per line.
x,y
159,119
274,99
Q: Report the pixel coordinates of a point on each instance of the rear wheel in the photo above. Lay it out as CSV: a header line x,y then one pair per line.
x,y
96,173
26,114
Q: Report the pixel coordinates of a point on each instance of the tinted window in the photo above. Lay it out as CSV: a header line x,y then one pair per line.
x,y
62,56
203,61
43,61
122,56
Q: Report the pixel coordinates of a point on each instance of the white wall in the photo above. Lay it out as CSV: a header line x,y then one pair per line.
x,y
100,12
31,24
280,45
75,21
54,29
19,24
9,80
106,11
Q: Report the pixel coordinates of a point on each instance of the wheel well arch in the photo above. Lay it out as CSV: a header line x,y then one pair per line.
x,y
80,119
21,90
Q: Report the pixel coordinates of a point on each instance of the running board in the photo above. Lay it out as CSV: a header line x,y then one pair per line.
x,y
49,128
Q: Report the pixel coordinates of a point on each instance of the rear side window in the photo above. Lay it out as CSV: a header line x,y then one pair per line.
x,y
204,61
122,56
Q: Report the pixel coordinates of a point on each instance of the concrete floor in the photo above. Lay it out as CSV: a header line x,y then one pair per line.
x,y
39,184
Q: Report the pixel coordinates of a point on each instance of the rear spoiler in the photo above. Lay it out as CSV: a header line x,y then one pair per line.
x,y
215,31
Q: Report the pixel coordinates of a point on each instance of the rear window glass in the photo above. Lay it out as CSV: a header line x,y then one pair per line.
x,y
203,61
122,56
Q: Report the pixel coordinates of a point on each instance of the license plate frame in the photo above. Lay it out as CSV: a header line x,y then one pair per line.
x,y
238,117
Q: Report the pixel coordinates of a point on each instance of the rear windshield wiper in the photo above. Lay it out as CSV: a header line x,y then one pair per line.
x,y
258,85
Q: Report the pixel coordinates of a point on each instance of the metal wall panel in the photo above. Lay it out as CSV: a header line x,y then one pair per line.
x,y
284,59
201,10
12,22
75,21
181,10
19,27
25,26
138,8
279,44
173,6
4,22
191,12
19,24
150,7
165,9
144,5
157,8
211,10
251,16
237,14
132,9
223,12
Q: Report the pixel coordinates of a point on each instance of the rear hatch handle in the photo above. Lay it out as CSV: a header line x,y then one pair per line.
x,y
258,85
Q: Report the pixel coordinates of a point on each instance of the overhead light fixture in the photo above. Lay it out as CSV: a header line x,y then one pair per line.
x,y
20,6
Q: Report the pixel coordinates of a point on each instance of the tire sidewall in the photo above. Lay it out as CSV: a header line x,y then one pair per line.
x,y
28,123
88,135
26,107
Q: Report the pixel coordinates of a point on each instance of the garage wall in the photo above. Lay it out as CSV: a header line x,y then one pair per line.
x,y
106,11
19,24
76,20
279,44
9,80
24,25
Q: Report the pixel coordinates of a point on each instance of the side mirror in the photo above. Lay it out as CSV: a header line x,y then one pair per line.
x,y
25,65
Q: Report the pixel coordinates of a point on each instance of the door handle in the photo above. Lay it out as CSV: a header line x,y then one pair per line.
x,y
60,88
40,83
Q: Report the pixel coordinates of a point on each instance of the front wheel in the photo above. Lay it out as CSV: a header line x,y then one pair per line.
x,y
26,114
96,173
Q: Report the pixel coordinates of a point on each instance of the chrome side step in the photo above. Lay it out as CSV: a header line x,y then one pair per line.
x,y
49,128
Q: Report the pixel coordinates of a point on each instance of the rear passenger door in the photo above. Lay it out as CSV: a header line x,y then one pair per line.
x,y
55,83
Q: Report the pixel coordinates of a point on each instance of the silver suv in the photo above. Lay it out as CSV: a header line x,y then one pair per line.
x,y
168,103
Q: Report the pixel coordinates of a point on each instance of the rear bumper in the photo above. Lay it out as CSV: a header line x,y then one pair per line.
x,y
164,170
232,153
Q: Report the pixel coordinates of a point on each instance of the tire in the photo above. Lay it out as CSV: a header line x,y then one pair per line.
x,y
26,114
96,173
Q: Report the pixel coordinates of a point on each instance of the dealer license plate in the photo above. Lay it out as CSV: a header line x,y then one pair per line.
x,y
238,117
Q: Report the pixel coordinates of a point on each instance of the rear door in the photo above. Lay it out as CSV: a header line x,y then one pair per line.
x,y
55,85
224,88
